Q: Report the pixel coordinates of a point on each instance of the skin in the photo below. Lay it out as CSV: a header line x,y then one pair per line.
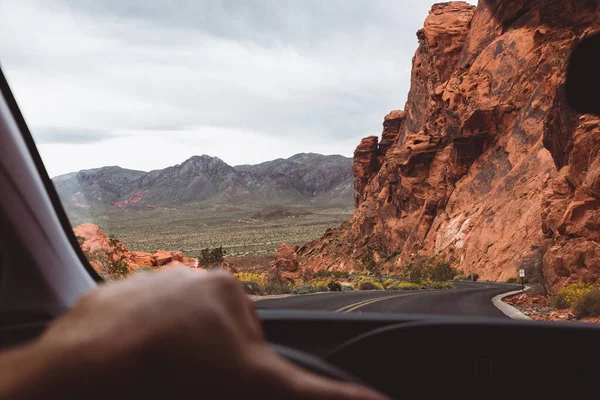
x,y
177,333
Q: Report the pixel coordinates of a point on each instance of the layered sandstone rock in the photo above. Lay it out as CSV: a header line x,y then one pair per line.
x,y
365,166
162,257
490,166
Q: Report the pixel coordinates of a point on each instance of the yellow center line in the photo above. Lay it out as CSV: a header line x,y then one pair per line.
x,y
356,306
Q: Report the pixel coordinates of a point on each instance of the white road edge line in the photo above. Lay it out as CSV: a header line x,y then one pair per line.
x,y
507,309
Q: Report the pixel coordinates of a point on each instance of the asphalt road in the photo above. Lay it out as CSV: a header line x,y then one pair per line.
x,y
467,299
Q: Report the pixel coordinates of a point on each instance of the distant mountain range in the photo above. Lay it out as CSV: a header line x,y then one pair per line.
x,y
303,177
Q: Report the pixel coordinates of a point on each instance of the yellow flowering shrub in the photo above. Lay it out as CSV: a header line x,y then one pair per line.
x,y
367,283
249,277
569,295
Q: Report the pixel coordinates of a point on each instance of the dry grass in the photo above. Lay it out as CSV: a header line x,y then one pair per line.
x,y
194,227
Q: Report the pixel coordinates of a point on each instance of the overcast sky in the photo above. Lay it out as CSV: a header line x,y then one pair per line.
x,y
145,84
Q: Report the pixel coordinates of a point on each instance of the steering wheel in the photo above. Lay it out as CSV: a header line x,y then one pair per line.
x,y
314,364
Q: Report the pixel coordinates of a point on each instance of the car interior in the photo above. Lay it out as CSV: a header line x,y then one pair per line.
x,y
43,272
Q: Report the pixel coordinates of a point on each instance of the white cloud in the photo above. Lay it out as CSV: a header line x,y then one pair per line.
x,y
151,84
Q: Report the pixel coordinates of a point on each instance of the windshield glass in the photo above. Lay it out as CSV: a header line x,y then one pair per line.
x,y
390,156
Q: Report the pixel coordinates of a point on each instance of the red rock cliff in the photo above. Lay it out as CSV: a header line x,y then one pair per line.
x,y
488,164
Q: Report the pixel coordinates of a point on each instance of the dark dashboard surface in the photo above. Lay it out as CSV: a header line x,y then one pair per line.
x,y
429,357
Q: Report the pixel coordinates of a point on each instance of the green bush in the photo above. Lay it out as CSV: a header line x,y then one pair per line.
x,y
251,287
588,305
334,286
512,279
210,258
459,278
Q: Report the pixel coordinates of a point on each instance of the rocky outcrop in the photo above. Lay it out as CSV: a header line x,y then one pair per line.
x,y
285,267
365,166
101,250
162,257
490,166
392,125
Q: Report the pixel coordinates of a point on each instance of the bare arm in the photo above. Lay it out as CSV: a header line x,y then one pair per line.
x,y
179,334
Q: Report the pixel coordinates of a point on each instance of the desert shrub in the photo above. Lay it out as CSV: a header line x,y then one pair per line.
x,y
588,305
569,295
347,288
321,285
80,240
440,285
398,285
334,286
250,277
532,264
332,274
472,277
305,289
366,285
368,261
441,270
277,288
388,282
113,261
512,279
429,268
210,258
251,287
537,289
358,280
459,277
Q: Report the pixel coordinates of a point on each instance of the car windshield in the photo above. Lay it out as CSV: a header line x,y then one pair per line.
x,y
344,156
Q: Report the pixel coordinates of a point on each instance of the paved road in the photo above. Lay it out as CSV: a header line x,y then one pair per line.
x,y
469,299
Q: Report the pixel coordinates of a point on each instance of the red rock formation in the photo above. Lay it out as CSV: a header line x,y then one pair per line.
x,y
392,125
97,245
285,267
365,166
474,173
162,257
142,259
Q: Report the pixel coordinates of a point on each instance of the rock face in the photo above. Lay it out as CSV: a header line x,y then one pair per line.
x,y
202,178
489,165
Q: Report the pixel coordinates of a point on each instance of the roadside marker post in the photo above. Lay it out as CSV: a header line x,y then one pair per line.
x,y
522,276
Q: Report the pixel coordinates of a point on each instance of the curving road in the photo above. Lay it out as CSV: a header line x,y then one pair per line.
x,y
467,299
